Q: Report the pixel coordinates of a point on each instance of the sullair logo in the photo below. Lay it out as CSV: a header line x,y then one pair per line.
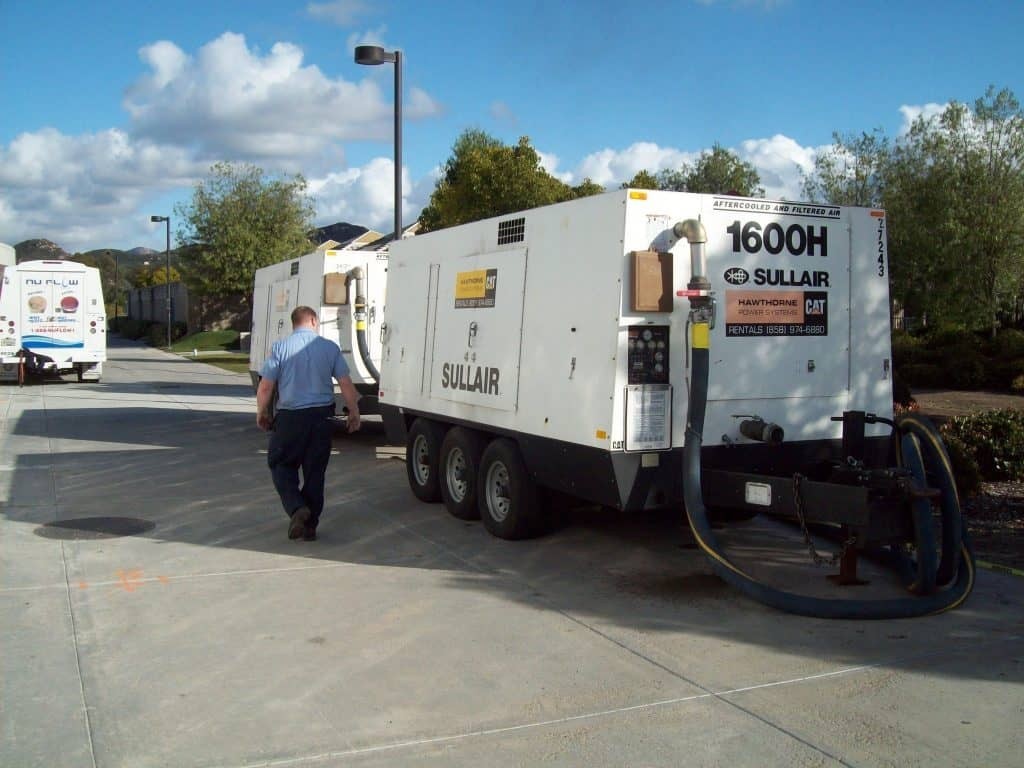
x,y
470,378
736,276
791,277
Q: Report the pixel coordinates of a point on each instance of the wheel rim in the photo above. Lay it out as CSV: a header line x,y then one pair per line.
x,y
498,502
455,475
421,460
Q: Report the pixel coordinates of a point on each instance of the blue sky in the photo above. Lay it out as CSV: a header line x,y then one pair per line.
x,y
113,110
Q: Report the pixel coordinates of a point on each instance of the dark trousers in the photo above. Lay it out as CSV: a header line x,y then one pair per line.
x,y
301,440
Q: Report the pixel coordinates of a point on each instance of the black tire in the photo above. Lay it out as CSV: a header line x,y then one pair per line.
x,y
459,467
422,449
80,372
507,495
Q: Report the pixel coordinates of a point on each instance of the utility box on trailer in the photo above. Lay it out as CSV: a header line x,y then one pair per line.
x,y
52,315
329,281
560,330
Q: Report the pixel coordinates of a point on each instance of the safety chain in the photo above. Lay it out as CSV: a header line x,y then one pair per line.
x,y
799,503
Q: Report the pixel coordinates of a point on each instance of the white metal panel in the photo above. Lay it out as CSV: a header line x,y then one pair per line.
x,y
870,317
280,303
781,274
478,329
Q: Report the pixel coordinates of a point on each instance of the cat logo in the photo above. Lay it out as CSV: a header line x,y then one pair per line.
x,y
814,306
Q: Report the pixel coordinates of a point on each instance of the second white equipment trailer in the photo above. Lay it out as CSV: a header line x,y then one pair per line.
x,y
582,348
346,288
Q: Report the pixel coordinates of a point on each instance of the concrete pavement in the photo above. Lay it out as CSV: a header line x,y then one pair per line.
x,y
406,637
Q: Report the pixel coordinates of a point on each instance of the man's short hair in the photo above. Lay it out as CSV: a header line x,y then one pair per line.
x,y
302,315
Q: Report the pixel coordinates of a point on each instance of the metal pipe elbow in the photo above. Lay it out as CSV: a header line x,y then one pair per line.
x,y
692,230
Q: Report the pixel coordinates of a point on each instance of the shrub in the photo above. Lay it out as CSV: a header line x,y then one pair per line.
x,y
134,329
995,439
1002,373
924,375
966,472
901,394
1009,344
157,333
907,350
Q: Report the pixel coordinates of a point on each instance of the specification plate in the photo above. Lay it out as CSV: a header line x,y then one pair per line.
x,y
648,417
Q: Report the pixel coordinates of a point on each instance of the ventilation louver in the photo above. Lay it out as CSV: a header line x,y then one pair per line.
x,y
511,231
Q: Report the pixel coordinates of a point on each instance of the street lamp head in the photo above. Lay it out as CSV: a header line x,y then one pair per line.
x,y
373,55
159,218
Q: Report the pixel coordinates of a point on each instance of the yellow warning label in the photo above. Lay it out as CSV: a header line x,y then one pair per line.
x,y
475,288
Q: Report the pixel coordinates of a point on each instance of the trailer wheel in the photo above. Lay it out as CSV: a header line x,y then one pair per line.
x,y
461,450
422,449
507,495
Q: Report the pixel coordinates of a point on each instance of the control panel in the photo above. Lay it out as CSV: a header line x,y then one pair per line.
x,y
648,354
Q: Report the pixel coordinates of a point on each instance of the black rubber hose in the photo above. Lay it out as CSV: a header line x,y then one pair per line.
x,y
364,352
923,582
364,348
787,601
935,455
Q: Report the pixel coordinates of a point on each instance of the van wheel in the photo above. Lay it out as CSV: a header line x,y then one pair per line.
x,y
421,459
507,495
461,450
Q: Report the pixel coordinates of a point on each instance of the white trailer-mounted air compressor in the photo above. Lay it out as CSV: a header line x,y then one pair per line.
x,y
346,288
52,318
645,348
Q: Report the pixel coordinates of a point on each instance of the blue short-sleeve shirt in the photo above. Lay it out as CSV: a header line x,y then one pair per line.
x,y
304,365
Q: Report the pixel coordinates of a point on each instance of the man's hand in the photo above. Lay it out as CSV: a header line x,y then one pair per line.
x,y
352,422
263,421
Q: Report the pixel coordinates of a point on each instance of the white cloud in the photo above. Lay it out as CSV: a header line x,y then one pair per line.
x,y
502,112
911,112
340,12
231,101
79,188
368,37
366,195
779,161
610,167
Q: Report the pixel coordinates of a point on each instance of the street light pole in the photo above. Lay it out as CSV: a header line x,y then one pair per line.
x,y
373,55
115,285
167,274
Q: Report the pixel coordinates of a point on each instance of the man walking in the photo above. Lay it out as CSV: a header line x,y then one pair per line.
x,y
302,366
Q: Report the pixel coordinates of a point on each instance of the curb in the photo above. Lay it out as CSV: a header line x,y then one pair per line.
x,y
1004,569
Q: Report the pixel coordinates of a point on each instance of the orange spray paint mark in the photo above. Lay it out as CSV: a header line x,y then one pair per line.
x,y
129,580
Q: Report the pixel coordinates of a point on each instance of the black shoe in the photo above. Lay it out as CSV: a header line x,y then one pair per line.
x,y
309,534
297,526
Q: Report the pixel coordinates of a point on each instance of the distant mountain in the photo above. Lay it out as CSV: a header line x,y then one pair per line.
x,y
341,232
140,251
35,250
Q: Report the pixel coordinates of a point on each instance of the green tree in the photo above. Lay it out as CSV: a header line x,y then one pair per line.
x,y
955,196
149,275
484,177
851,171
642,180
718,172
237,221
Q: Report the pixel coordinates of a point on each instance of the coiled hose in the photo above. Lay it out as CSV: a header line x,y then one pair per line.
x,y
923,452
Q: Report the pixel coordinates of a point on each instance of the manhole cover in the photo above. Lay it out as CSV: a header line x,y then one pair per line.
x,y
94,528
